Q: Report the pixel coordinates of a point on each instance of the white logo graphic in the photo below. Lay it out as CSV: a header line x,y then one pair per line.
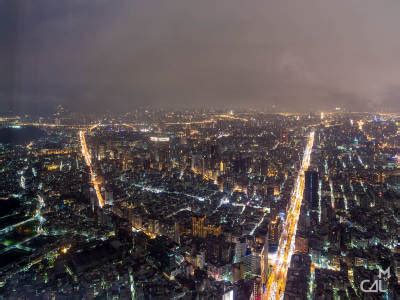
x,y
377,285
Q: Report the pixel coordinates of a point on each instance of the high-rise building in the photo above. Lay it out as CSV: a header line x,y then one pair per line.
x,y
274,233
109,197
240,249
252,264
201,229
311,189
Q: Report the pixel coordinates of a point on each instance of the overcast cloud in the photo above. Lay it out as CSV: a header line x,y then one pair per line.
x,y
120,54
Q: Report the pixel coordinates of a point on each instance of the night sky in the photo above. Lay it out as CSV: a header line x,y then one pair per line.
x,y
98,55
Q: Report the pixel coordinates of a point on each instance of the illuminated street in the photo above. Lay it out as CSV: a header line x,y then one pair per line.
x,y
88,160
277,280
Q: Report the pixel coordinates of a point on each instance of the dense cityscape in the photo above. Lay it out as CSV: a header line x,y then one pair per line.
x,y
199,150
200,204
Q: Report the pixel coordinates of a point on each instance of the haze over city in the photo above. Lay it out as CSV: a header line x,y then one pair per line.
x,y
119,55
175,149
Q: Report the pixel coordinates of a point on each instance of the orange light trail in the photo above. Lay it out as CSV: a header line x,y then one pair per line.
x,y
88,160
276,283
